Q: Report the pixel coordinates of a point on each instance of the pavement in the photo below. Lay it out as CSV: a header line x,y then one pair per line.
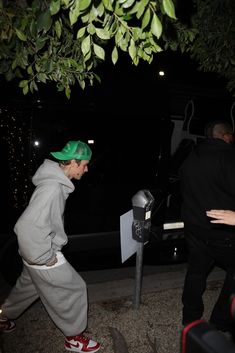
x,y
121,320
118,283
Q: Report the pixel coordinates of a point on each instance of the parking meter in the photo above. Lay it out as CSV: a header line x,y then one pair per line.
x,y
142,203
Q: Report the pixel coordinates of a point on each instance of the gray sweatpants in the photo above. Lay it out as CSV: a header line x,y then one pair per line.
x,y
61,290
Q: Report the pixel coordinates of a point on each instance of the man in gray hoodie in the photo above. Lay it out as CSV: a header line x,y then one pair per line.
x,y
46,273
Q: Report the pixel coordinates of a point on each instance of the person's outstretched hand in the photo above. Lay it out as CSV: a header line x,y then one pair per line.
x,y
222,216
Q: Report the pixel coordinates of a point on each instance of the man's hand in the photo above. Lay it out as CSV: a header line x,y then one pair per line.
x,y
222,216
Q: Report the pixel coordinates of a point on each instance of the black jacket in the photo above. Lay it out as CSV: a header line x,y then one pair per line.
x,y
207,181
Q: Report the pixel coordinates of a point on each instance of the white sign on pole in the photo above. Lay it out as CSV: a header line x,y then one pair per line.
x,y
128,244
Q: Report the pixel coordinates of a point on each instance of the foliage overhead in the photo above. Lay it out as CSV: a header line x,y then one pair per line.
x,y
63,41
214,45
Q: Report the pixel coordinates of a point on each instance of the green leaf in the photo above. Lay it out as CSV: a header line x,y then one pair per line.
x,y
127,17
40,42
20,35
114,55
42,77
136,61
74,13
54,7
37,67
100,10
81,32
97,77
132,50
146,18
23,83
65,2
107,4
84,4
169,8
87,56
156,26
82,84
35,6
85,18
141,8
49,66
135,8
58,29
118,10
86,45
33,28
25,89
67,92
33,86
102,33
30,70
119,35
44,21
123,44
136,34
99,51
91,28
89,66
128,3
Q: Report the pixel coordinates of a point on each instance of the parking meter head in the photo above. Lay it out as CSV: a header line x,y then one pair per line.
x,y
142,203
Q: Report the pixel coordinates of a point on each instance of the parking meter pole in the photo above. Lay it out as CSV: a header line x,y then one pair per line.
x,y
142,203
138,275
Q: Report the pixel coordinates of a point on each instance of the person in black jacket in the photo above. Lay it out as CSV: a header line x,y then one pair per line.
x,y
208,182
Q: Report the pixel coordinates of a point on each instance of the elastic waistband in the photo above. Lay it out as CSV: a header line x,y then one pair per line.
x,y
60,257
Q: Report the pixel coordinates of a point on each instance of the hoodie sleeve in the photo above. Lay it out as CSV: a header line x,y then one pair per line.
x,y
35,243
35,230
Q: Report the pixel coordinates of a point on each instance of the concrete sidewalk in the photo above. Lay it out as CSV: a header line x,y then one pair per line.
x,y
118,283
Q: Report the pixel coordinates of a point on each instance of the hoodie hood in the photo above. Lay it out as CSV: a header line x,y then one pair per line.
x,y
50,171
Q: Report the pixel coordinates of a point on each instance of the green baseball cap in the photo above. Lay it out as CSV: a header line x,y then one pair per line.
x,y
74,150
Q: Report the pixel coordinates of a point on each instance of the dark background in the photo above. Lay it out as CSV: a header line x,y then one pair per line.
x,y
131,115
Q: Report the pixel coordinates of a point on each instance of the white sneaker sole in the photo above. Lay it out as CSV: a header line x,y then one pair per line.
x,y
74,349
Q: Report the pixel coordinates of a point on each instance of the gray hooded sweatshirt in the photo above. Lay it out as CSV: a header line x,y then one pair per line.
x,y
40,230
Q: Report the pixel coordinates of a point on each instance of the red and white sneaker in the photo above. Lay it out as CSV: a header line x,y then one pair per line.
x,y
7,325
81,344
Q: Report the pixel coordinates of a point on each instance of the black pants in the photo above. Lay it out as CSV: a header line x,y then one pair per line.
x,y
207,248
